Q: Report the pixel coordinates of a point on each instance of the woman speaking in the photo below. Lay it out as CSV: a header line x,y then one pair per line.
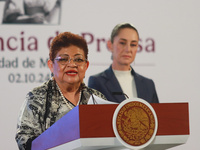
x,y
46,104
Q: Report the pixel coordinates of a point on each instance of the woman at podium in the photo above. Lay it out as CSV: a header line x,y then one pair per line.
x,y
46,104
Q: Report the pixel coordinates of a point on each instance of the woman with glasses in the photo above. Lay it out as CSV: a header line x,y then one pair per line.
x,y
46,104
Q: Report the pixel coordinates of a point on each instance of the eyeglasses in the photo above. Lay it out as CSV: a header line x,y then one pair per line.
x,y
65,59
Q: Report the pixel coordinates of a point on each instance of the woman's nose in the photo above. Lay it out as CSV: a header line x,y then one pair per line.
x,y
128,48
71,62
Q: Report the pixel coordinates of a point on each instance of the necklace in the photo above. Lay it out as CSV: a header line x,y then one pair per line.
x,y
67,103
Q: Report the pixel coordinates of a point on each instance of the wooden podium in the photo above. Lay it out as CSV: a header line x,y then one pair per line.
x,y
89,127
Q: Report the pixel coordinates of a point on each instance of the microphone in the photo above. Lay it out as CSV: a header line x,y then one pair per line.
x,y
120,93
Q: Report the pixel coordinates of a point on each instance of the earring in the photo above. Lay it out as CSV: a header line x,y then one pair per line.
x,y
52,76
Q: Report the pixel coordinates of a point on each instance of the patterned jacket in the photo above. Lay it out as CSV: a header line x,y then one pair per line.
x,y
43,106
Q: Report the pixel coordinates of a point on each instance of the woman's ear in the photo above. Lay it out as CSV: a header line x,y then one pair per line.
x,y
88,64
109,45
50,65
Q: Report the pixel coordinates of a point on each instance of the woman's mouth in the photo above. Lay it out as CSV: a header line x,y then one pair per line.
x,y
126,56
71,72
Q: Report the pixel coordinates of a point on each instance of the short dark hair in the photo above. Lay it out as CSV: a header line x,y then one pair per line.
x,y
120,26
67,39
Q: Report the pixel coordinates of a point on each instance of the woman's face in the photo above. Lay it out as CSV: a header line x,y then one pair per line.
x,y
66,72
124,48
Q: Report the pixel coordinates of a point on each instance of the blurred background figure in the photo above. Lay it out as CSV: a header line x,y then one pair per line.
x,y
120,80
32,11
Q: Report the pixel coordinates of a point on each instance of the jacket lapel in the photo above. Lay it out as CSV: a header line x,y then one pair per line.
x,y
112,85
141,89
